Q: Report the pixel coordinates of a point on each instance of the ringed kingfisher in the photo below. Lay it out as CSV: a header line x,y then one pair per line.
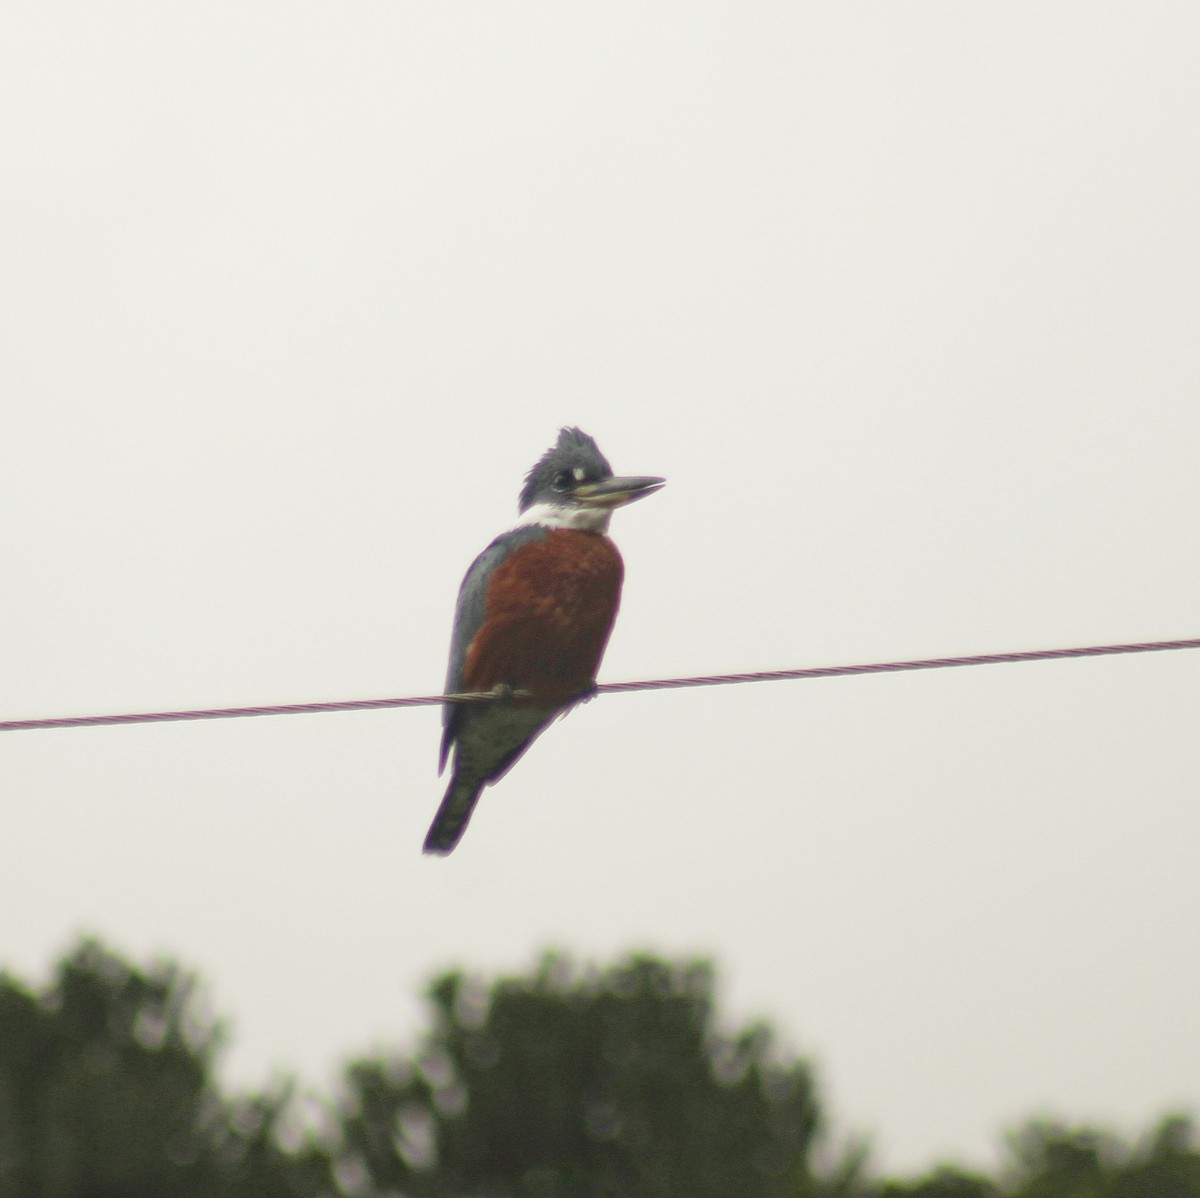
x,y
534,615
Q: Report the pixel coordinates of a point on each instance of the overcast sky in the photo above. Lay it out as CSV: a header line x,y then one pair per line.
x,y
903,299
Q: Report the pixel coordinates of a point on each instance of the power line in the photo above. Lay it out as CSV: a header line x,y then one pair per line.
x,y
604,688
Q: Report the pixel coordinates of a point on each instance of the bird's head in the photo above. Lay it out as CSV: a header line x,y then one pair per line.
x,y
573,486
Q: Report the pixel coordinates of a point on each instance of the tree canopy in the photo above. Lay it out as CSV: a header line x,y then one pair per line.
x,y
571,1080
584,1082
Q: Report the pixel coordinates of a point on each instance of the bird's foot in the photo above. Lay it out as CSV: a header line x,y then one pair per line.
x,y
502,690
587,692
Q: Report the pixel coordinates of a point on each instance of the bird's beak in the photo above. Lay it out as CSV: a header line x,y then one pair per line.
x,y
616,492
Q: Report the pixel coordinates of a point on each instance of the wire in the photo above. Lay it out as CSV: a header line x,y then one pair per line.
x,y
604,688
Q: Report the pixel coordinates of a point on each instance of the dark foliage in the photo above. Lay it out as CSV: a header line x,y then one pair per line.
x,y
106,1092
569,1082
580,1083
1046,1159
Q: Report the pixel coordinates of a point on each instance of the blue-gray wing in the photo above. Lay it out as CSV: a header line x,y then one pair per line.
x,y
468,619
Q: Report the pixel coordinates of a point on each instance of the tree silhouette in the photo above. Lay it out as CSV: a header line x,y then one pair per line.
x,y
581,1082
576,1081
106,1091
1046,1159
1049,1160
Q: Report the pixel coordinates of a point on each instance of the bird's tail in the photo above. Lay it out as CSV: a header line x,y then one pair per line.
x,y
452,816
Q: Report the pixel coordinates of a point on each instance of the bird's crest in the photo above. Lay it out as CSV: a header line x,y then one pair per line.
x,y
573,451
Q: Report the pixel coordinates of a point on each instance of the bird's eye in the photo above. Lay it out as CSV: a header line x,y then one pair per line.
x,y
563,480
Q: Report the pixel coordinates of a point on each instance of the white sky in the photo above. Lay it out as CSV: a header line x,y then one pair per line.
x,y
903,299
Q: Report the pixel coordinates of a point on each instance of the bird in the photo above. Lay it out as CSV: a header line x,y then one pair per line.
x,y
534,614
